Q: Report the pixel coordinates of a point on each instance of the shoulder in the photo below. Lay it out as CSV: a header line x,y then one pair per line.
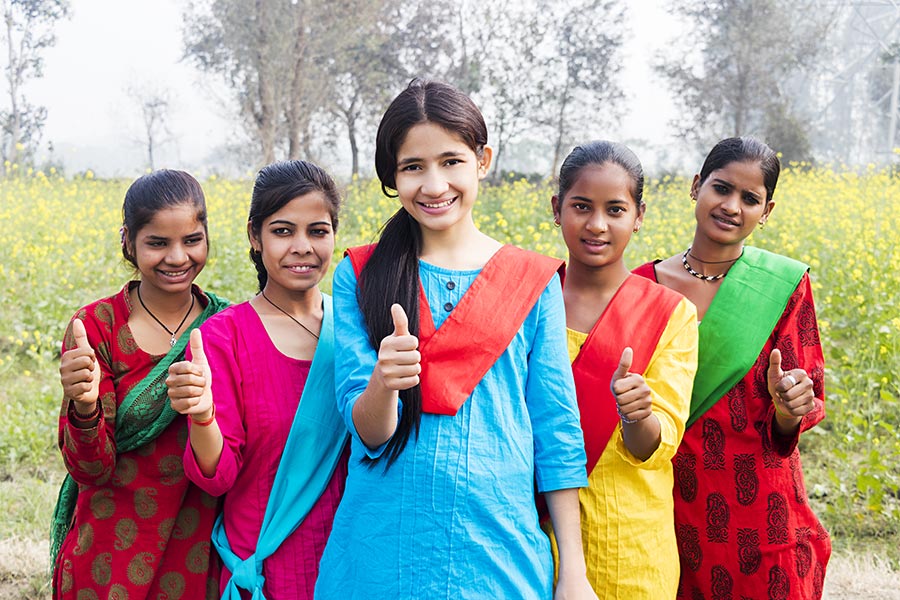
x,y
647,270
230,322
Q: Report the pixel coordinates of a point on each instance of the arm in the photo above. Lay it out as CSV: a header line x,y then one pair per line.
x,y
368,382
87,420
796,373
669,378
566,517
207,388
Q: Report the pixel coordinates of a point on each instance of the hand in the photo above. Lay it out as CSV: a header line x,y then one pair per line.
x,y
398,365
189,382
791,391
79,372
633,397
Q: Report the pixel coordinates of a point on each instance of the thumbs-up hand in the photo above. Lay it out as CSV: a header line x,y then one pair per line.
x,y
633,397
398,365
791,391
79,372
190,381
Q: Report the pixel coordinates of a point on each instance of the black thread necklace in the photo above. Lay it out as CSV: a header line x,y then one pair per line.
x,y
289,315
173,339
690,269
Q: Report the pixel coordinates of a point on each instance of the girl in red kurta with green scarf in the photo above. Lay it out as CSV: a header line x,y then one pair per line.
x,y
128,523
743,521
633,346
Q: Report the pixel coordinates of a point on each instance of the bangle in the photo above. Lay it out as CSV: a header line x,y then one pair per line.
x,y
81,419
207,422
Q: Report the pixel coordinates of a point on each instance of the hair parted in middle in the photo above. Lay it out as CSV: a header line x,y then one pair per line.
x,y
392,273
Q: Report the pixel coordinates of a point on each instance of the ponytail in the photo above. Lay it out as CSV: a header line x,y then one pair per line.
x,y
391,276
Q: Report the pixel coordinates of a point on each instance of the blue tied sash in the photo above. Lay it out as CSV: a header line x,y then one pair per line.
x,y
314,445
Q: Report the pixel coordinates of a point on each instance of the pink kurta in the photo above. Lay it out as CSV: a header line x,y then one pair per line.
x,y
257,390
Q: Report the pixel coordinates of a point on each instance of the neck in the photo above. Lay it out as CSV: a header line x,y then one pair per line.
x,y
303,302
602,281
166,303
711,252
462,247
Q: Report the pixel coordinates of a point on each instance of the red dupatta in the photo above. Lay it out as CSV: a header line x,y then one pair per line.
x,y
636,316
480,328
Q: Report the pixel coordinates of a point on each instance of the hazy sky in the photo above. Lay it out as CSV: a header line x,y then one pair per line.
x,y
108,46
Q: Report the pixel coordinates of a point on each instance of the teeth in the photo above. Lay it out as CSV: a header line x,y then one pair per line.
x,y
174,273
440,204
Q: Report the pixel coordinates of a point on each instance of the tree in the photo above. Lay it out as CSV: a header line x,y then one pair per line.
x,y
154,105
750,51
578,85
28,30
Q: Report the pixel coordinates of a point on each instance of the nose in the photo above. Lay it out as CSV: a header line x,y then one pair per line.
x,y
434,183
177,255
301,245
597,223
731,203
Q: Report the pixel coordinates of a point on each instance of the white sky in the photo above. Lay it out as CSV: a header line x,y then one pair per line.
x,y
109,45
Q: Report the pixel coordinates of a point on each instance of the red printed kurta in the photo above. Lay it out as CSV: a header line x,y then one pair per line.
x,y
141,529
743,521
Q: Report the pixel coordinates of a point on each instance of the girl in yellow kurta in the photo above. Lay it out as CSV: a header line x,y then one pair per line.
x,y
633,348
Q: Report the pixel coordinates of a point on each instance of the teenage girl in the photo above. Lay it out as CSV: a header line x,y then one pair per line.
x,y
128,523
742,517
454,384
259,388
633,346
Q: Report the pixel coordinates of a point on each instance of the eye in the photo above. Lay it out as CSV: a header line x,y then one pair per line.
x,y
617,210
320,232
751,199
581,206
281,231
409,168
720,189
453,161
193,241
156,244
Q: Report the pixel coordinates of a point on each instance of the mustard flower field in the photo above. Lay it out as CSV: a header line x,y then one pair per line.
x,y
61,250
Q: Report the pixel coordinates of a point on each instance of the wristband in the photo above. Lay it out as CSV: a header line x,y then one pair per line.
x,y
207,422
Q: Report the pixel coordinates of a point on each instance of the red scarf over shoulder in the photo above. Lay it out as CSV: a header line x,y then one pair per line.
x,y
480,328
636,316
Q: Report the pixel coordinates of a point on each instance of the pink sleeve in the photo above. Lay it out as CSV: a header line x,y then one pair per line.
x,y
797,336
220,345
90,454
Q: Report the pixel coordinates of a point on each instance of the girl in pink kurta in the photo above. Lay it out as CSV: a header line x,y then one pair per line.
x,y
243,388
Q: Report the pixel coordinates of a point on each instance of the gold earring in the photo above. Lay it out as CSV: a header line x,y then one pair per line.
x,y
636,229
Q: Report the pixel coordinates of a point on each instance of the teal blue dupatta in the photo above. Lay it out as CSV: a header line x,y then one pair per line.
x,y
314,446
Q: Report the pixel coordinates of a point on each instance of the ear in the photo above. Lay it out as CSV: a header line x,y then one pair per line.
x,y
255,244
484,161
640,218
126,244
695,187
770,206
554,204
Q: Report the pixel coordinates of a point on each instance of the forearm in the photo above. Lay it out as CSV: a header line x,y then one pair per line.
x,y
375,414
642,438
206,442
565,514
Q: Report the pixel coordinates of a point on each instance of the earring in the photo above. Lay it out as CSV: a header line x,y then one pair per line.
x,y
693,198
556,221
762,224
636,229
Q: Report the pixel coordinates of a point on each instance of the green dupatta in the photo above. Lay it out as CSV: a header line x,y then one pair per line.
x,y
739,320
143,415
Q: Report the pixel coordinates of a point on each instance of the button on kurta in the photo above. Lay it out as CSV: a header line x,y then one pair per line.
x,y
451,285
448,307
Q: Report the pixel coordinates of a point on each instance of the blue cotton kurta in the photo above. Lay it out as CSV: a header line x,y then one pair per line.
x,y
454,516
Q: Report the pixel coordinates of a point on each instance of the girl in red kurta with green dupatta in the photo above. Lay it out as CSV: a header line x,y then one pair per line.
x,y
743,521
633,346
128,523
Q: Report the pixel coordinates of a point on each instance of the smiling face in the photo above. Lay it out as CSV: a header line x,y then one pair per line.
x,y
296,243
731,202
598,215
171,249
437,178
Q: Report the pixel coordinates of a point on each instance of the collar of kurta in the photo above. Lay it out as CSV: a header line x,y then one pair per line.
x,y
479,329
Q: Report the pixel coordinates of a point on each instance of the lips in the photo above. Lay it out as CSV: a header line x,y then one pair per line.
x,y
300,269
726,221
439,204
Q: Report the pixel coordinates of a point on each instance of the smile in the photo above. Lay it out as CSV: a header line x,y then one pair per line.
x,y
595,243
174,273
440,204
300,268
726,221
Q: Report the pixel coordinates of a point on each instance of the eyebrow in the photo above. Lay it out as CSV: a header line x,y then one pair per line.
x,y
414,159
730,185
291,223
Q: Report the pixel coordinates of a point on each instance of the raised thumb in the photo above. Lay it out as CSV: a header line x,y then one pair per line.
x,y
775,373
401,322
624,364
81,340
198,356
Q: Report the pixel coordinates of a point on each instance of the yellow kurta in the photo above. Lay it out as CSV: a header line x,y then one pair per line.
x,y
627,523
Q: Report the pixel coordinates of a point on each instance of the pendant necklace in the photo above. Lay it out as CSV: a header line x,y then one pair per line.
x,y
173,339
289,315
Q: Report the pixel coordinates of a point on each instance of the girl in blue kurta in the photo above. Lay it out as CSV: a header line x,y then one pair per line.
x,y
453,378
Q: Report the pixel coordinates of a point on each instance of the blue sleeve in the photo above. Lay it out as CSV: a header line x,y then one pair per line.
x,y
354,358
559,458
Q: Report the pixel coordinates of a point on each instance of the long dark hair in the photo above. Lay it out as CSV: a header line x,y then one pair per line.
x,y
599,153
744,149
276,185
156,191
391,276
